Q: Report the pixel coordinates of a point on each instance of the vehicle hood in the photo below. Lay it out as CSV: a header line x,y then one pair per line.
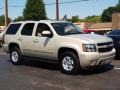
x,y
92,38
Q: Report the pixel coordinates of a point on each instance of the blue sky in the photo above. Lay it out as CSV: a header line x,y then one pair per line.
x,y
82,9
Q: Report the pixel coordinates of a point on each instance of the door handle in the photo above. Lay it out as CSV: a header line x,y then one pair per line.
x,y
35,41
20,39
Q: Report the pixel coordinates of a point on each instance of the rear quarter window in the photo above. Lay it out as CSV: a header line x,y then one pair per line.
x,y
13,28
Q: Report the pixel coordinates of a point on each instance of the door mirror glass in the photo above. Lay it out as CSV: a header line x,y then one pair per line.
x,y
47,33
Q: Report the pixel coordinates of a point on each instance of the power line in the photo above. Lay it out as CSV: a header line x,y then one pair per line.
x,y
50,3
67,2
60,2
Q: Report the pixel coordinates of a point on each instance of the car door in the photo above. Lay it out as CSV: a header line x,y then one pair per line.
x,y
44,46
115,35
26,39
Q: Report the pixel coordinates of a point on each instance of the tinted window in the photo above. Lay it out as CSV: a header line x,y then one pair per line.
x,y
13,28
66,28
27,29
41,27
114,32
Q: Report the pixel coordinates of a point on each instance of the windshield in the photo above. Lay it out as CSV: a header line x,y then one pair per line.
x,y
66,28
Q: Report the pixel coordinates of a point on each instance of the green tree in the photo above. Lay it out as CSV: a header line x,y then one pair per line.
x,y
93,18
75,19
118,7
19,18
2,20
34,10
107,14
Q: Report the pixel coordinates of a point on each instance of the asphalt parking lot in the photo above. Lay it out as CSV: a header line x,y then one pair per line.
x,y
36,75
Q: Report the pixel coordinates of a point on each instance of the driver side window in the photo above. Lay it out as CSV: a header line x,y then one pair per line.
x,y
40,28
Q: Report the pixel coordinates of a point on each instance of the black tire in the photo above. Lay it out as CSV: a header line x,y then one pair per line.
x,y
75,59
1,43
17,51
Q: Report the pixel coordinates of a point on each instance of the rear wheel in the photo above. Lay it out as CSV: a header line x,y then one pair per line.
x,y
1,43
69,63
15,56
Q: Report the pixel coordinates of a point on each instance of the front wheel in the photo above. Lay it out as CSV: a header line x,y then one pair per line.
x,y
69,63
15,56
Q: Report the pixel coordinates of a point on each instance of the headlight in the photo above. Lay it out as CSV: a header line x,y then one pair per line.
x,y
89,48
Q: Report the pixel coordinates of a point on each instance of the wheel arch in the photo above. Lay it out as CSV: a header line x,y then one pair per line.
x,y
11,45
63,49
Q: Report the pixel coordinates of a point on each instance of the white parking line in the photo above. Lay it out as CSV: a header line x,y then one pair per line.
x,y
117,68
4,54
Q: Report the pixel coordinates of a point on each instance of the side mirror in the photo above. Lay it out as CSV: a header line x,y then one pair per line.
x,y
47,34
92,33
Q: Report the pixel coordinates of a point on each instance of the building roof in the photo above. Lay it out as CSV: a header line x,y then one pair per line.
x,y
100,25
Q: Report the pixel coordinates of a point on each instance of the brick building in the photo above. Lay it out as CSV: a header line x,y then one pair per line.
x,y
103,27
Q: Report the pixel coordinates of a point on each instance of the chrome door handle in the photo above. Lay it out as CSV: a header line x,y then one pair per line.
x,y
20,39
35,41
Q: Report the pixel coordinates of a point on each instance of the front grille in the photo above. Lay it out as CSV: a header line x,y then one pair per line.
x,y
105,43
105,47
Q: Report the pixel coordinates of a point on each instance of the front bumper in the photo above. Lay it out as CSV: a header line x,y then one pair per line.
x,y
88,59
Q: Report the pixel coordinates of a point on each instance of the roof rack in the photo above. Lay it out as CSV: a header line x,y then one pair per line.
x,y
46,20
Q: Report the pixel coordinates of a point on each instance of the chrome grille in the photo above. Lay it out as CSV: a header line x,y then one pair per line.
x,y
105,47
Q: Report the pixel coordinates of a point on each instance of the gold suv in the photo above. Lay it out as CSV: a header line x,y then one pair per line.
x,y
57,41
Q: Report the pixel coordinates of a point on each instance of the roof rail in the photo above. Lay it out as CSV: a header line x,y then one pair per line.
x,y
45,20
29,20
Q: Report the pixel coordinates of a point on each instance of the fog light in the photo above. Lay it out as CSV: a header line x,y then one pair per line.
x,y
93,62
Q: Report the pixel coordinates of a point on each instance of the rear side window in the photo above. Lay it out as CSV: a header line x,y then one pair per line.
x,y
27,29
13,28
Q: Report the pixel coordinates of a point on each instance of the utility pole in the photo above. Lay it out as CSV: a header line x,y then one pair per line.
x,y
57,10
6,13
